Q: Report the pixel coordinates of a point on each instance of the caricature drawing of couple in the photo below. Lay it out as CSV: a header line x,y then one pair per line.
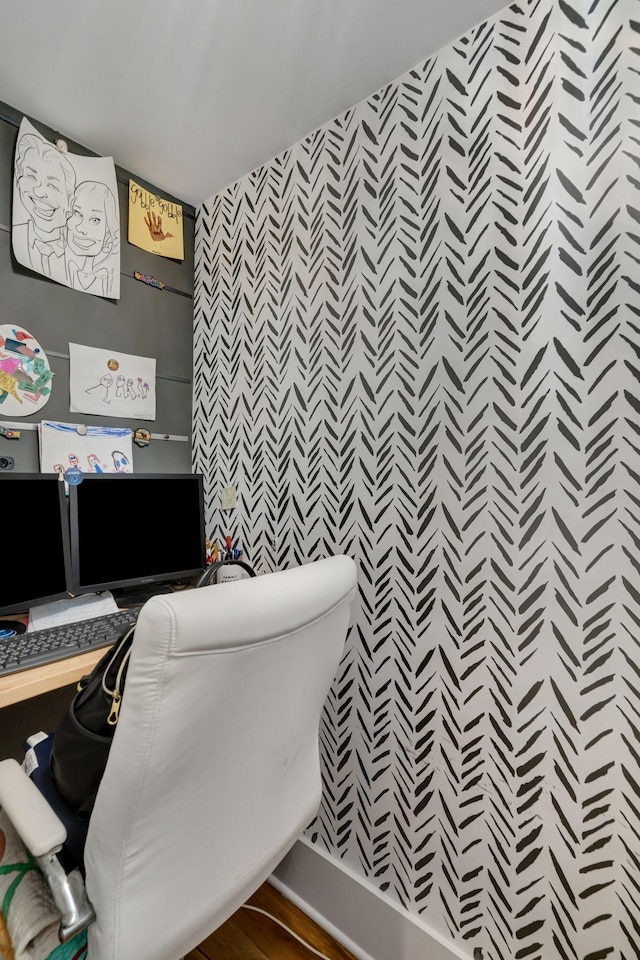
x,y
73,228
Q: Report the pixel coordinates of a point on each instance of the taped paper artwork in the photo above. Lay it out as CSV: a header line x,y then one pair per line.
x,y
110,383
95,450
66,218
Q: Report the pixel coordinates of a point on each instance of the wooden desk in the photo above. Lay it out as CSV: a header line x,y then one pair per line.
x,y
51,676
31,683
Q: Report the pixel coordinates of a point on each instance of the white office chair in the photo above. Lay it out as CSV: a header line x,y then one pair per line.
x,y
214,769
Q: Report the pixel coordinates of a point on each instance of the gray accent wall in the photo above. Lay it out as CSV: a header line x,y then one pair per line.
x,y
418,342
145,321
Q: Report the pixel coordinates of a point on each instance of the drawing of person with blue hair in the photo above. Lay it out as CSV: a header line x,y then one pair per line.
x,y
120,461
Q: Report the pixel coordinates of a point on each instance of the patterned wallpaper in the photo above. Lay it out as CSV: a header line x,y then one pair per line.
x,y
418,342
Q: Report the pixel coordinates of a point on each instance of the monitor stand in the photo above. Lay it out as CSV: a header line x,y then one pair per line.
x,y
131,596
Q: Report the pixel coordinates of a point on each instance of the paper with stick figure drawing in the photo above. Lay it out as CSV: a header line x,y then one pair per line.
x,y
66,216
111,384
95,450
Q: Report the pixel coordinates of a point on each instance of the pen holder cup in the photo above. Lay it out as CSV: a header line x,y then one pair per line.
x,y
225,571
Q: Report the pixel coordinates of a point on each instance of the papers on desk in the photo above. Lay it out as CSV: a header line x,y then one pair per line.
x,y
59,612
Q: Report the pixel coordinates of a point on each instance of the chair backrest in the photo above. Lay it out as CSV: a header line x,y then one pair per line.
x,y
214,769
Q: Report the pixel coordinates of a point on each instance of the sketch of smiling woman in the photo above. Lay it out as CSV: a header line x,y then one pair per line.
x,y
92,235
45,180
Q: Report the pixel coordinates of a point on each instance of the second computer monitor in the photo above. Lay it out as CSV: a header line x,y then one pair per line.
x,y
135,529
35,540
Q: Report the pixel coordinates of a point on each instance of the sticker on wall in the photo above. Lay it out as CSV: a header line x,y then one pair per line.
x,y
155,224
111,384
65,446
66,218
25,374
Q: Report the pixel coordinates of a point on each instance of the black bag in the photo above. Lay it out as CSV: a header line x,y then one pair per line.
x,y
82,741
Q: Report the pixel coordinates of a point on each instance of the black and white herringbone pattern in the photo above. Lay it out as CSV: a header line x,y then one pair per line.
x,y
417,341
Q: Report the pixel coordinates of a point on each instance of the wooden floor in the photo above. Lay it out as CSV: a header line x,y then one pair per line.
x,y
251,936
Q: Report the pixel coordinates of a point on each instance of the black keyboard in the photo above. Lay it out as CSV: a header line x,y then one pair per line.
x,y
57,643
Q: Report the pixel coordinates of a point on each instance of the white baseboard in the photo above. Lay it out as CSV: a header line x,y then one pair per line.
x,y
354,912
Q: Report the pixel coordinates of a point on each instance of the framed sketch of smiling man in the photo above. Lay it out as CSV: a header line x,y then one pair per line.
x,y
66,218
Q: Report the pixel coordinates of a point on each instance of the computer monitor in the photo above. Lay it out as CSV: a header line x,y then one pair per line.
x,y
128,530
36,565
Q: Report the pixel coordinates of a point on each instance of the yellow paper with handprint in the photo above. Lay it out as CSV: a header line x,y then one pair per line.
x,y
155,224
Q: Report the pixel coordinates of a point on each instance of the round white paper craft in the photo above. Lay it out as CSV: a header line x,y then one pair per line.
x,y
25,374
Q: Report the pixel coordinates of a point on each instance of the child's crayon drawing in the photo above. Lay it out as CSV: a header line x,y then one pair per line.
x,y
111,384
98,450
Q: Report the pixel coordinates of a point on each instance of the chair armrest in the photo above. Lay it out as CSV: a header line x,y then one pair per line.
x,y
39,828
44,834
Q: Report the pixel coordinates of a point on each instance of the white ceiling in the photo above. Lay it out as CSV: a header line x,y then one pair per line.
x,y
192,94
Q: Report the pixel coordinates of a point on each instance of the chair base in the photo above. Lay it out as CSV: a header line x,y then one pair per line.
x,y
69,895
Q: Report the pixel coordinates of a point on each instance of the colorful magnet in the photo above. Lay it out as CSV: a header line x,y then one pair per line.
x,y
150,281
73,476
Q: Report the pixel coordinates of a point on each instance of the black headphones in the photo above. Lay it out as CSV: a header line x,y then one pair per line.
x,y
209,574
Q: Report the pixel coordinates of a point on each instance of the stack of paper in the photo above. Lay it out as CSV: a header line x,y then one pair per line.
x,y
59,612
